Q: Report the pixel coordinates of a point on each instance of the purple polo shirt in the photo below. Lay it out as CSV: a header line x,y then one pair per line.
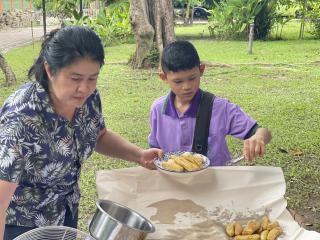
x,y
172,131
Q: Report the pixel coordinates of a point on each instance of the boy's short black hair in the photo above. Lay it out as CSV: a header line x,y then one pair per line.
x,y
179,56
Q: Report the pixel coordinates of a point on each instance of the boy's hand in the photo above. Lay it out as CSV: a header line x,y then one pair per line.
x,y
253,147
256,145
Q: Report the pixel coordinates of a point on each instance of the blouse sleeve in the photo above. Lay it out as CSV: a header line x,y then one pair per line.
x,y
12,136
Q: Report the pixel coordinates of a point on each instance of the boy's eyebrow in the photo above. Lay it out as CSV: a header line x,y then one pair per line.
x,y
188,77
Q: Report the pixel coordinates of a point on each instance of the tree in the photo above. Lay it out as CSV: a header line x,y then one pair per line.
x,y
306,10
8,73
209,3
153,27
189,14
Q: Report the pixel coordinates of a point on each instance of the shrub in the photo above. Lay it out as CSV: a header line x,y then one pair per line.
x,y
232,18
263,22
112,24
314,16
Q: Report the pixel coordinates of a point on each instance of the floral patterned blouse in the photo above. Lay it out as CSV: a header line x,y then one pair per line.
x,y
42,153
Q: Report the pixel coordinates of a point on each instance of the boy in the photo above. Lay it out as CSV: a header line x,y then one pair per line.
x,y
173,117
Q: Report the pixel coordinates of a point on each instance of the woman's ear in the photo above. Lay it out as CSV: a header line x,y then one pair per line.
x,y
48,70
202,67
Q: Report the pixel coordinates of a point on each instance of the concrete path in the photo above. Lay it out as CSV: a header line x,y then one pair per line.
x,y
16,37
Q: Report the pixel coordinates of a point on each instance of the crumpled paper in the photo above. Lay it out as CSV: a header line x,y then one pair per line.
x,y
198,205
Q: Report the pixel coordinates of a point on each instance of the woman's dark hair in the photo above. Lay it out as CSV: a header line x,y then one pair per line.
x,y
61,47
179,56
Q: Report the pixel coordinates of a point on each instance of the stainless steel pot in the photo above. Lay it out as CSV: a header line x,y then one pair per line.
x,y
113,221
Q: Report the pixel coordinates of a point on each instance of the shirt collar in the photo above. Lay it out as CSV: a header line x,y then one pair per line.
x,y
45,105
170,110
46,108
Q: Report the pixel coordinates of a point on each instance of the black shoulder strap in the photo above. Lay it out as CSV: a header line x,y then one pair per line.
x,y
201,131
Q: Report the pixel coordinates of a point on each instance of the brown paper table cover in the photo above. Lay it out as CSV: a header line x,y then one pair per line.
x,y
198,205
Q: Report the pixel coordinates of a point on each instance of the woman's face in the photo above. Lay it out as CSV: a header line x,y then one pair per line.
x,y
72,85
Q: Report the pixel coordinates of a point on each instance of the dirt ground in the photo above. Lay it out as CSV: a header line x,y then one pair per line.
x,y
303,198
307,217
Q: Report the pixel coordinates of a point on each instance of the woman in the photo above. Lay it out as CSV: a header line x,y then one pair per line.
x,y
48,128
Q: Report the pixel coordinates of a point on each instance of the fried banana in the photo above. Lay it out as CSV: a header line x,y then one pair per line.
x,y
197,160
265,222
189,166
230,229
171,165
237,229
248,237
264,235
251,228
273,225
274,233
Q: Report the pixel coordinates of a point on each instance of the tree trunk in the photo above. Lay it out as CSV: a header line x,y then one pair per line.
x,y
188,20
153,26
8,73
303,19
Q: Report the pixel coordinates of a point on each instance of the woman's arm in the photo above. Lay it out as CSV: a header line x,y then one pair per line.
x,y
112,144
7,190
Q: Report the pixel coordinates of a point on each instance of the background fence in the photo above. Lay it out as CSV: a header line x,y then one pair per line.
x,y
12,5
89,7
20,13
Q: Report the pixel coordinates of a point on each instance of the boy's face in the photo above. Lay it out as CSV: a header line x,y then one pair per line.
x,y
184,84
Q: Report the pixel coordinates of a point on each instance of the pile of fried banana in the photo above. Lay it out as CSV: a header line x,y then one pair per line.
x,y
185,162
255,230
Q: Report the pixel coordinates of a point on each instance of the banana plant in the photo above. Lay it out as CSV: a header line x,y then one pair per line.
x,y
233,17
112,23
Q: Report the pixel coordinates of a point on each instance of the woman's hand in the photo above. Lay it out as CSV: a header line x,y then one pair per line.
x,y
148,156
112,144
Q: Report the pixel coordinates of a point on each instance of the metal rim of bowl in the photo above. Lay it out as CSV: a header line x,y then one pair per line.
x,y
152,228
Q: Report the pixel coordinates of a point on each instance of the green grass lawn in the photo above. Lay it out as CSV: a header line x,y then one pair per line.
x,y
278,85
290,31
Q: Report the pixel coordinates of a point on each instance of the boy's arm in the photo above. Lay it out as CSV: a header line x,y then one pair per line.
x,y
256,145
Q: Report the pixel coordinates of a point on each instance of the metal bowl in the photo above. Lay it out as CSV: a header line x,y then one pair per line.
x,y
113,221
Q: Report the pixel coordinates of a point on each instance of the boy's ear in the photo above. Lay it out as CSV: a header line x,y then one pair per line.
x,y
202,67
163,76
